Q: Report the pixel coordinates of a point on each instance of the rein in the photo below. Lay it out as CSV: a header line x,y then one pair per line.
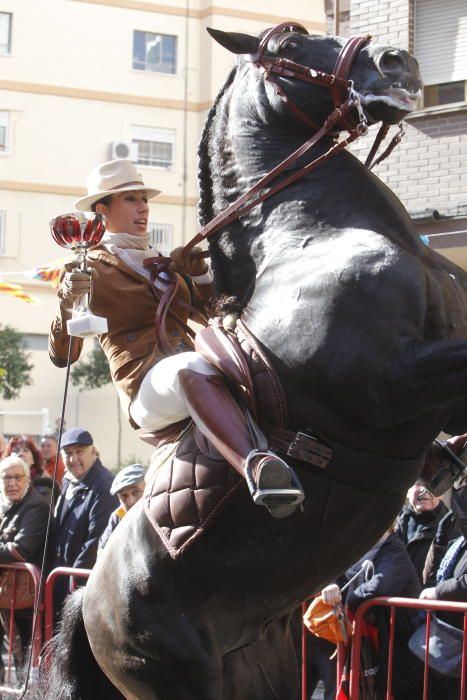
x,y
347,114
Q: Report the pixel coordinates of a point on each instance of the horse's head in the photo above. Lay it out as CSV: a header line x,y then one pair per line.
x,y
299,70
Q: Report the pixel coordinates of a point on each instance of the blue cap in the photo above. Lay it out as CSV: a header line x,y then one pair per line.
x,y
76,436
127,477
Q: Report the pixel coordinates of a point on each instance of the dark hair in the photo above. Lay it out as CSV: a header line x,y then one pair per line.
x,y
20,440
105,201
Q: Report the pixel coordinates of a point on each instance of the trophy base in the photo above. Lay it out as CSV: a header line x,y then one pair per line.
x,y
86,326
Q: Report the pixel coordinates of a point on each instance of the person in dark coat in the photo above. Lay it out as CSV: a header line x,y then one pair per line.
x,y
445,577
394,575
23,525
417,523
83,509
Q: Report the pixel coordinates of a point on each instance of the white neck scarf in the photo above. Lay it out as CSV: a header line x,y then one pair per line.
x,y
126,240
129,248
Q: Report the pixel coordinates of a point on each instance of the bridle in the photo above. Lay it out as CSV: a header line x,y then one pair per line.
x,y
347,114
341,88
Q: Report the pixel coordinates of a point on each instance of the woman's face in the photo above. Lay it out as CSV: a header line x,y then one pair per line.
x,y
127,213
14,483
25,453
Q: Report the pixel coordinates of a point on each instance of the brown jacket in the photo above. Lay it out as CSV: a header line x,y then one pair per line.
x,y
126,299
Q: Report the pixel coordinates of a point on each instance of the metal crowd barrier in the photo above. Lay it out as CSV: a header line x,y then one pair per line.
x,y
49,593
46,614
423,605
429,606
8,621
9,686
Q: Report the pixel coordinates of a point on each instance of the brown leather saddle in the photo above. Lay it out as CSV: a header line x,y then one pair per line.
x,y
189,483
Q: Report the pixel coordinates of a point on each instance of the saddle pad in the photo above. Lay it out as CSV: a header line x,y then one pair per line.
x,y
188,490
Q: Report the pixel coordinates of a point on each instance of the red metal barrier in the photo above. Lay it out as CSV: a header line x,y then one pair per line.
x,y
9,621
49,593
426,605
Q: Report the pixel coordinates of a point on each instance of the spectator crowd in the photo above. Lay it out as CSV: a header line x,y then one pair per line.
x,y
422,554
85,502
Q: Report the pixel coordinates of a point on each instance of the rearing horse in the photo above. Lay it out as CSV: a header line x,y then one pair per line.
x,y
366,328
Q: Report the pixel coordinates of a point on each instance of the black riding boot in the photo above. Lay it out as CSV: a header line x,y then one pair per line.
x,y
271,481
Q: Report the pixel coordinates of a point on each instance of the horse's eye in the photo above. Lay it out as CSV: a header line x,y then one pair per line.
x,y
290,44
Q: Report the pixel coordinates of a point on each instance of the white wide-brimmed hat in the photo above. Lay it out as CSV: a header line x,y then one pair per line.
x,y
111,178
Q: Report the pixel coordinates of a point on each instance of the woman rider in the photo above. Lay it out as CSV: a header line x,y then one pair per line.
x,y
155,390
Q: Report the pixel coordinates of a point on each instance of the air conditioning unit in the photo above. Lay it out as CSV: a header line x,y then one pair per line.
x,y
124,149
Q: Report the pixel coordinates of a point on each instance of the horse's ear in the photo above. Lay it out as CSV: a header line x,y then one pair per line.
x,y
234,41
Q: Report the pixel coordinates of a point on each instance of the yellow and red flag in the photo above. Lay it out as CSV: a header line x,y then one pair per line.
x,y
50,272
17,291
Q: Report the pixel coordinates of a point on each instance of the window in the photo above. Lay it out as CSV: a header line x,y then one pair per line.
x,y
5,33
154,52
2,231
155,146
444,93
4,132
441,50
161,237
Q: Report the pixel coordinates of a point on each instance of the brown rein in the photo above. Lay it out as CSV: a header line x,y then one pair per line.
x,y
346,103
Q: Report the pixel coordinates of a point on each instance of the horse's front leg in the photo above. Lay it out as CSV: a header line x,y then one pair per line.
x,y
144,635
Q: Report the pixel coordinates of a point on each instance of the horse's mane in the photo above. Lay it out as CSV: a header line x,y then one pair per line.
x,y
211,160
206,154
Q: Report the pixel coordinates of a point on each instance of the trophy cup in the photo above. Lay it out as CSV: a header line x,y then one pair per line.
x,y
78,232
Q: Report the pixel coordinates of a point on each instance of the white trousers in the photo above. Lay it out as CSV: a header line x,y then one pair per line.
x,y
159,401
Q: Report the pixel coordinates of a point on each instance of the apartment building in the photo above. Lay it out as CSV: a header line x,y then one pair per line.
x,y
83,81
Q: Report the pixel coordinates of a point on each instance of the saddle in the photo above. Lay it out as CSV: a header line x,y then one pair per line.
x,y
189,482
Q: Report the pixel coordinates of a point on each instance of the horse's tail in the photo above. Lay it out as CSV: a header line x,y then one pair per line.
x,y
68,669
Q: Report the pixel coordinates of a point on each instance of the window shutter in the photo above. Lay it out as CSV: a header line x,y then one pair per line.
x,y
441,40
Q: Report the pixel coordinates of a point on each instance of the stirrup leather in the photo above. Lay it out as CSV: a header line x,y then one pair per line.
x,y
268,497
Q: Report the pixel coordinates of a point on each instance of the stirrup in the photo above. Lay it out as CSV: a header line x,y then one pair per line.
x,y
291,496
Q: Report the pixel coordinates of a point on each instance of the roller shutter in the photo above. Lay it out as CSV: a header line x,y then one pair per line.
x,y
441,40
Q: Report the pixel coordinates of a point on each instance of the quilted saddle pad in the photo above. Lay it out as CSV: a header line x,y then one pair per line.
x,y
188,486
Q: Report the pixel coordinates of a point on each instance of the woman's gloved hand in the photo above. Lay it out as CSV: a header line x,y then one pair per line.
x,y
188,264
75,283
332,594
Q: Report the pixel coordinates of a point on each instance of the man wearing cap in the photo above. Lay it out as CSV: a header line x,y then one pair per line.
x,y
83,509
128,486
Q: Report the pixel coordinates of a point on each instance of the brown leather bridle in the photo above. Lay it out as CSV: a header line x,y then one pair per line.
x,y
347,114
338,82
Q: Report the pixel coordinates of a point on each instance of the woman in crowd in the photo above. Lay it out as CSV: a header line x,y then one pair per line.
x,y
22,536
156,391
25,447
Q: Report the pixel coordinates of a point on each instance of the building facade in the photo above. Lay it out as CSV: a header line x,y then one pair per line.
x,y
81,82
428,170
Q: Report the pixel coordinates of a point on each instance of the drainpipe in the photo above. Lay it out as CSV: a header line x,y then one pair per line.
x,y
336,17
185,125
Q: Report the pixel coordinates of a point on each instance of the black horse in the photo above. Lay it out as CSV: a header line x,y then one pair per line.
x,y
366,328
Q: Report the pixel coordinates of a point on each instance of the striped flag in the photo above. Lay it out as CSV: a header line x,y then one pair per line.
x,y
17,291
